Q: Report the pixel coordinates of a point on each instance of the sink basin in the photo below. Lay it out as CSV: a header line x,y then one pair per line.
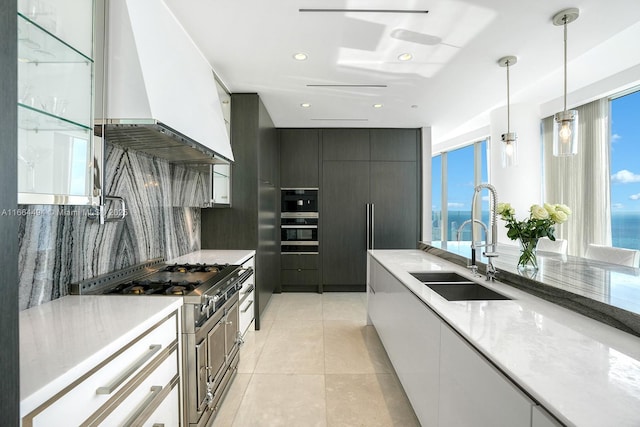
x,y
440,277
454,287
465,292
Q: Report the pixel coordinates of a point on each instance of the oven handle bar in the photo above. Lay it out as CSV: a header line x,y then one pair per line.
x,y
108,389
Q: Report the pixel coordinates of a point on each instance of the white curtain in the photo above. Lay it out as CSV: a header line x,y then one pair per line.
x,y
582,182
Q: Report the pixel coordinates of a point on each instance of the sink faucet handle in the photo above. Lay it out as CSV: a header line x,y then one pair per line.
x,y
474,270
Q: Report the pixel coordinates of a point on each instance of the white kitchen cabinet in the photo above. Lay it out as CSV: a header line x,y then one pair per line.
x,y
410,333
132,383
541,418
56,154
473,392
247,298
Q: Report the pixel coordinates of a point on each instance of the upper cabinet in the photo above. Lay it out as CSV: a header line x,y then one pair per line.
x,y
56,155
299,158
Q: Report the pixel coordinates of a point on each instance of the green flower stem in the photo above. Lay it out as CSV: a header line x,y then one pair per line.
x,y
528,258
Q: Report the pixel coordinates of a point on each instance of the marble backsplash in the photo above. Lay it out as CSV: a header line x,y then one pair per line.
x,y
60,245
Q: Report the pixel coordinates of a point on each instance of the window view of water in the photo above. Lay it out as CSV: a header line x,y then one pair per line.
x,y
625,229
625,171
455,220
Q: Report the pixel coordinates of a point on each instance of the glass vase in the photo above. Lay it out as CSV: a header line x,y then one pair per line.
x,y
528,260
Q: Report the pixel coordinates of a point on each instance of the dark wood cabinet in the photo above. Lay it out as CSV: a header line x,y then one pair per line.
x,y
395,145
343,223
300,272
345,144
394,196
252,222
381,169
299,158
9,336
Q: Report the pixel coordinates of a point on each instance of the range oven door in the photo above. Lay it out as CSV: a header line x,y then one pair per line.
x,y
232,329
216,353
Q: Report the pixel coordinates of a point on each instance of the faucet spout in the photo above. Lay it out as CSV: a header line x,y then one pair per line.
x,y
491,238
491,241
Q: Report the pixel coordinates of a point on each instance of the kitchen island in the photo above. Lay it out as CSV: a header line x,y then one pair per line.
x,y
503,362
606,292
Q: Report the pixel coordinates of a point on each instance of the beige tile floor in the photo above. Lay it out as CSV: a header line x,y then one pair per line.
x,y
315,362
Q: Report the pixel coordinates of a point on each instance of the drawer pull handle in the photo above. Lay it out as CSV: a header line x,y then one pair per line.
x,y
153,349
249,289
247,307
133,418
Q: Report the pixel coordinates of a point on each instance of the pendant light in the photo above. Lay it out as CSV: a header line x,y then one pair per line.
x,y
509,139
565,123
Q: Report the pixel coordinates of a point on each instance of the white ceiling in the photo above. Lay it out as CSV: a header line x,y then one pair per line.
x,y
451,84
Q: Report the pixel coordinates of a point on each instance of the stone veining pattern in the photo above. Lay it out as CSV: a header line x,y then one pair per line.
x,y
61,245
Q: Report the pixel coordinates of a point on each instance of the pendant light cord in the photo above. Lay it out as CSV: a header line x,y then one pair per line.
x,y
565,63
508,102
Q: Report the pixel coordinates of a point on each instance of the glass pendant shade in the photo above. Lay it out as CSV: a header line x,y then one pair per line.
x,y
565,133
565,123
509,150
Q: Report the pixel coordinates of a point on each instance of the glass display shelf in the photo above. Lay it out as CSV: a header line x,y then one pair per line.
x,y
37,45
33,119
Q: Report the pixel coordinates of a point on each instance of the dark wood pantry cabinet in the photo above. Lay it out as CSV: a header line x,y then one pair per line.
x,y
370,178
365,177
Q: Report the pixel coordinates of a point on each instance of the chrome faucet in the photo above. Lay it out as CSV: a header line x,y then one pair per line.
x,y
472,265
491,240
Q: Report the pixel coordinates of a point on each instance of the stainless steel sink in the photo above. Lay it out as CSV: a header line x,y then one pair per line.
x,y
465,292
454,287
440,277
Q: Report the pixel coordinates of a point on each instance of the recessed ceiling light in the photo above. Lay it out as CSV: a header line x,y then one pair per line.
x,y
405,57
305,105
300,56
377,105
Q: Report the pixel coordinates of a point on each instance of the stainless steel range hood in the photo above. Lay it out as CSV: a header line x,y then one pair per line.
x,y
157,139
156,92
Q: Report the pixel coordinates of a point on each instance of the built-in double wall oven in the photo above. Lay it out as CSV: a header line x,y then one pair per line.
x,y
299,220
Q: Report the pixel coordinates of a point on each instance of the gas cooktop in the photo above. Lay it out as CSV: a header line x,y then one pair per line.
x,y
157,278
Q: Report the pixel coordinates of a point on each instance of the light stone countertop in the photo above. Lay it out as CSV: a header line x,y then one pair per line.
x,y
215,256
63,339
584,372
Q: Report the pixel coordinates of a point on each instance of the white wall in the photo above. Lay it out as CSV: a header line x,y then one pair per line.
x,y
519,185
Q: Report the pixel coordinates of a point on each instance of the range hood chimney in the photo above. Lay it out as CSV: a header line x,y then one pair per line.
x,y
156,92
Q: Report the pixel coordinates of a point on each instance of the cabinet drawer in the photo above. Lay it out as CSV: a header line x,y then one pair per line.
x,y
106,380
136,407
167,413
300,277
247,311
250,282
299,261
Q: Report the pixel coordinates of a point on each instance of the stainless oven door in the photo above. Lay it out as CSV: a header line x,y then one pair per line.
x,y
216,351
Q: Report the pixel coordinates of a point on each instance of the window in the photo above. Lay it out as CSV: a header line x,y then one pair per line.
x,y
462,170
625,171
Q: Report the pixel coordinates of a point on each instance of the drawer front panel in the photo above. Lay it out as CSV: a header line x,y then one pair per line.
x,y
299,261
131,409
300,277
250,282
95,390
247,307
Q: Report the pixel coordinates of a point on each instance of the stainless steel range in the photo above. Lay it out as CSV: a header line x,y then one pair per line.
x,y
210,333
